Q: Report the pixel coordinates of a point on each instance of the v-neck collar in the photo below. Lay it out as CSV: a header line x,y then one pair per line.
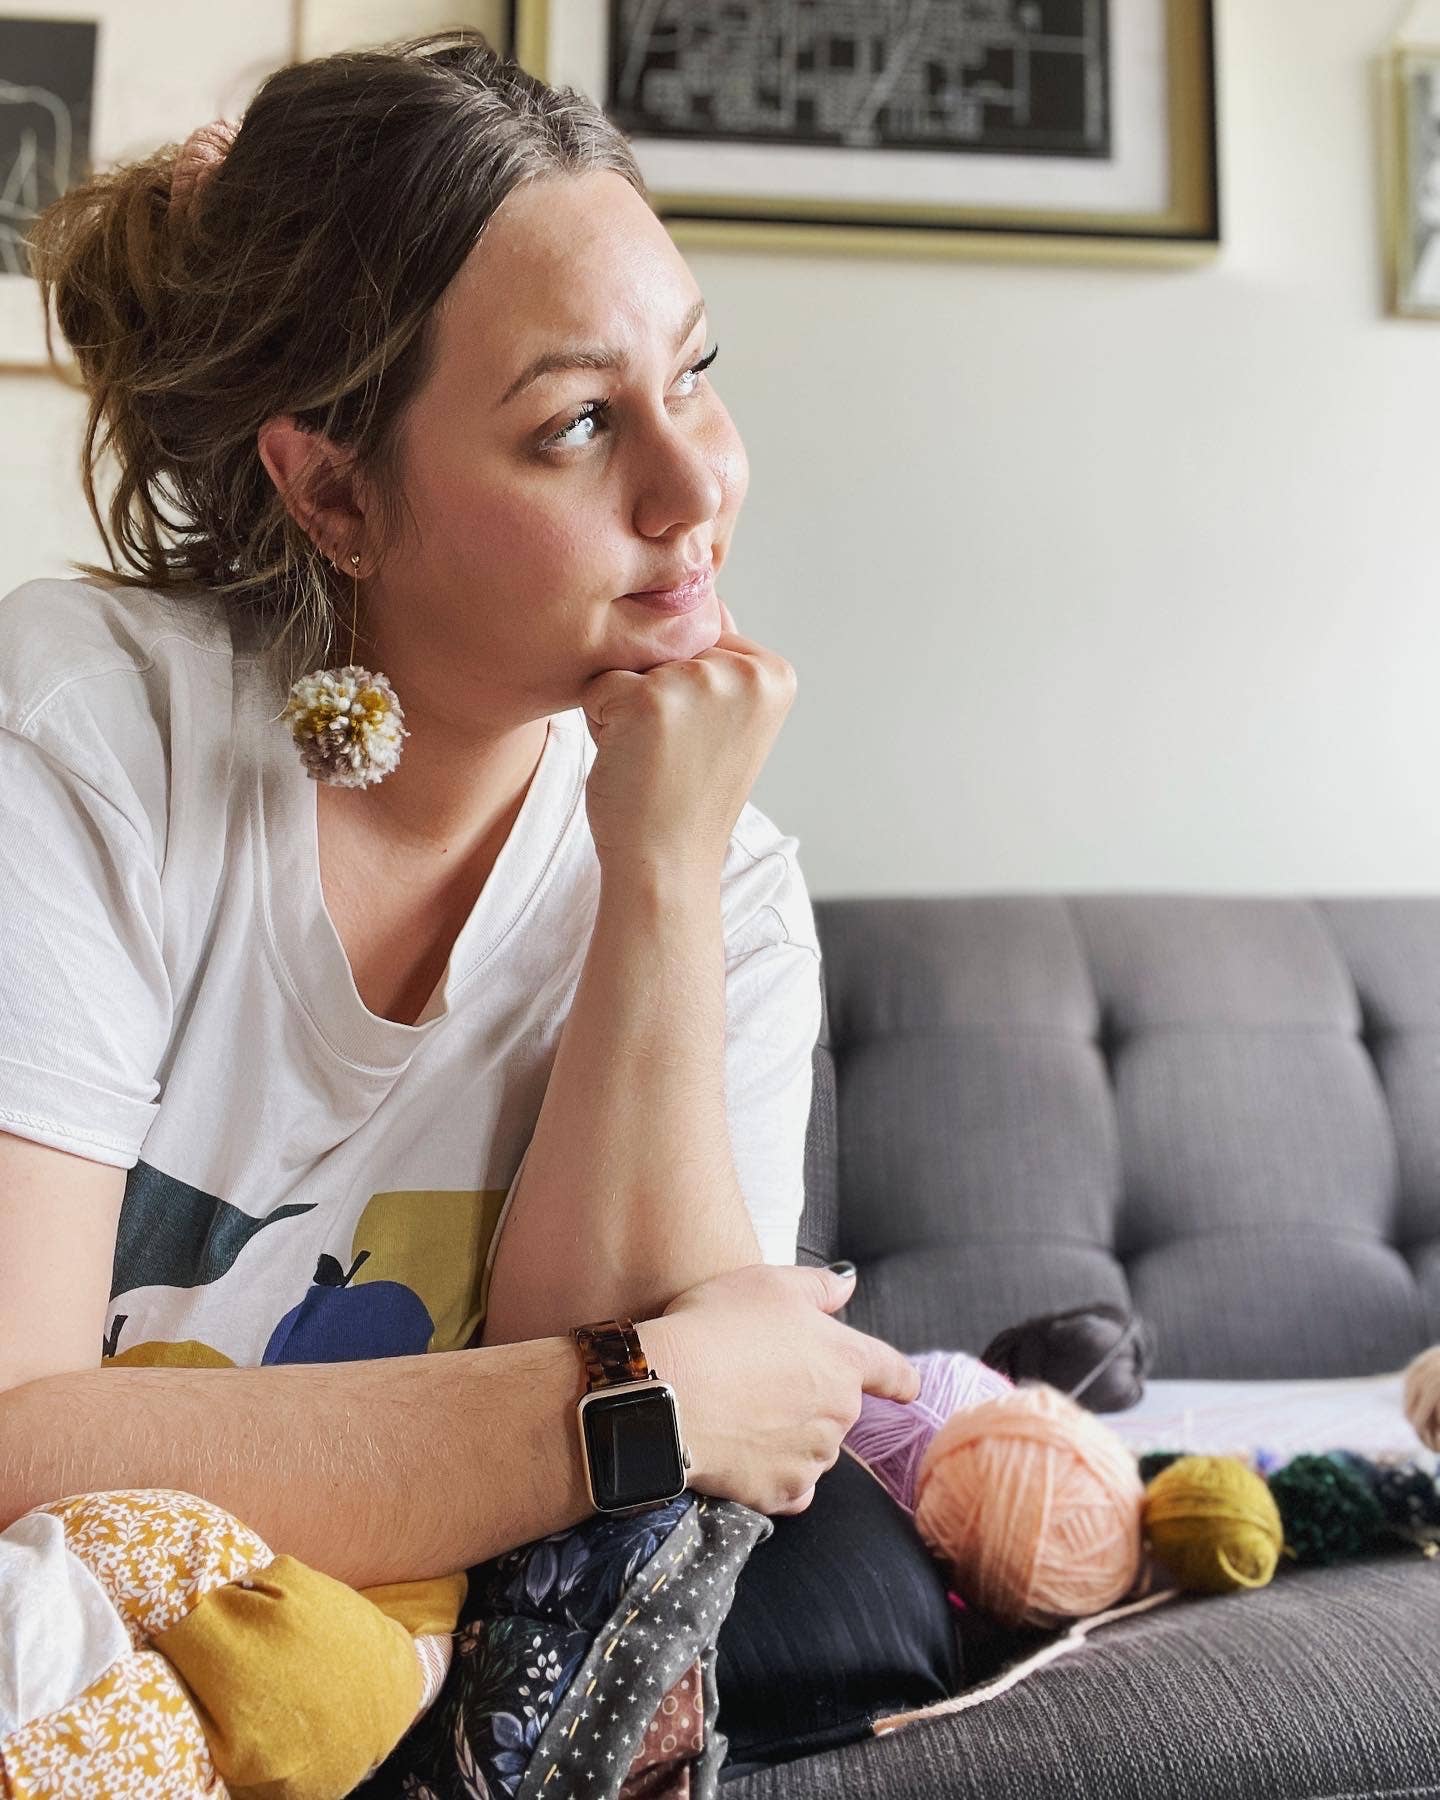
x,y
309,956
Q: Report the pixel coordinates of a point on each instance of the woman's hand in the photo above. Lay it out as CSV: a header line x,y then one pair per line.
x,y
678,751
767,1384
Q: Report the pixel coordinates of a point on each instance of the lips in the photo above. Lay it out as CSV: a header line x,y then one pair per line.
x,y
685,597
680,584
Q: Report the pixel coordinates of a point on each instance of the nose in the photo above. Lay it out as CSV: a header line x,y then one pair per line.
x,y
679,484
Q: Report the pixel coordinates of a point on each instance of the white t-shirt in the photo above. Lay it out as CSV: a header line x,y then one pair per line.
x,y
177,1002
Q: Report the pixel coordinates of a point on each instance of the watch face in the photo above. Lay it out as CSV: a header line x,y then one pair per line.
x,y
632,1443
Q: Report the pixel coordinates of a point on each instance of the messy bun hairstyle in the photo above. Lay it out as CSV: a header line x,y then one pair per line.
x,y
300,277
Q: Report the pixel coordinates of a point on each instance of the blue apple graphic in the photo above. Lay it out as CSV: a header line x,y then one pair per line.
x,y
339,1323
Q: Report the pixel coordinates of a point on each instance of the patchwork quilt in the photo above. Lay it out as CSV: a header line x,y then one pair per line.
x,y
153,1645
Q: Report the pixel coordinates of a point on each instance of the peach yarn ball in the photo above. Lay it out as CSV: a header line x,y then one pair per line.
x,y
1035,1506
1422,1397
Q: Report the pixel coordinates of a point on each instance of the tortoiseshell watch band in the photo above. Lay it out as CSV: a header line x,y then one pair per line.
x,y
612,1352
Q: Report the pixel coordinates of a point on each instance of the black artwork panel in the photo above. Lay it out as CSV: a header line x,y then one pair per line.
x,y
1011,77
47,88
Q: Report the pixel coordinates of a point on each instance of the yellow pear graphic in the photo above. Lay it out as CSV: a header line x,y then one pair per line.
x,y
435,1241
189,1353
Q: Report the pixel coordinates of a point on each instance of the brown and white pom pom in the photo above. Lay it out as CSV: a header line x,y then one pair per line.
x,y
1422,1396
348,724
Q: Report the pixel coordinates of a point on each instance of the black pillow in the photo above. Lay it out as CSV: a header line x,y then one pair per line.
x,y
838,1618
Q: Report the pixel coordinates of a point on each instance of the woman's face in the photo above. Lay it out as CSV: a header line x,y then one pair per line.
x,y
538,507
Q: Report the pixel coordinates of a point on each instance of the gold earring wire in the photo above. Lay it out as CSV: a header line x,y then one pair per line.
x,y
354,602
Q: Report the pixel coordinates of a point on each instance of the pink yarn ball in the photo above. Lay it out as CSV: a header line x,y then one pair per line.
x,y
890,1438
1034,1505
1422,1397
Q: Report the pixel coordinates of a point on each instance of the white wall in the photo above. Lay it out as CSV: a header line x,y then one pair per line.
x,y
1100,578
1093,578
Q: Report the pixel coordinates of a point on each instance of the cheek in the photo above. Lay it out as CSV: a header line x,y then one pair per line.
x,y
543,562
499,535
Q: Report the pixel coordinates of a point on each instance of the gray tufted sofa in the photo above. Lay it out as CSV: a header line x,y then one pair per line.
x,y
1225,1111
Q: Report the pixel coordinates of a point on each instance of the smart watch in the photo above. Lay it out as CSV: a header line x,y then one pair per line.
x,y
630,1440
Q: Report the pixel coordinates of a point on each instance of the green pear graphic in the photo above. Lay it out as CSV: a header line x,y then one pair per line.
x,y
175,1235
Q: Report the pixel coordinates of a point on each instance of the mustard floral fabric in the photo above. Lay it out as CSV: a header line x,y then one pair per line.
x,y
155,1648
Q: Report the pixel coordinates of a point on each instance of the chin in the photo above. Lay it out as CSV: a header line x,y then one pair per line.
x,y
678,637
688,634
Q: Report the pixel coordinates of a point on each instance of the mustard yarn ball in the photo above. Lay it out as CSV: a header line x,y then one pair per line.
x,y
1034,1505
1214,1524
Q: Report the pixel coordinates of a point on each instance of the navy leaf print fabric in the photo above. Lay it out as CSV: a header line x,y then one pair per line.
x,y
536,1618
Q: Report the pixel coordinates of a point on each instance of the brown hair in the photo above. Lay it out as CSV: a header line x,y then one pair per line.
x,y
301,277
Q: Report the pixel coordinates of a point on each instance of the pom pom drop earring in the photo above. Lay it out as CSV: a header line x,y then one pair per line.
x,y
347,723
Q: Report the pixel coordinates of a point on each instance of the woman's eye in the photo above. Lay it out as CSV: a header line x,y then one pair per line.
x,y
699,368
591,412
595,412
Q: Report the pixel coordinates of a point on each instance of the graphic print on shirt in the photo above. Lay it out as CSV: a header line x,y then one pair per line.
x,y
416,1280
175,1235
188,1353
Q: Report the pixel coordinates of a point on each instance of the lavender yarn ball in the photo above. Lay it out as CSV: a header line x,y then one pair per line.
x,y
891,1438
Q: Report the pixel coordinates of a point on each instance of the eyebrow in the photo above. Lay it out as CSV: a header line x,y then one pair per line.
x,y
594,357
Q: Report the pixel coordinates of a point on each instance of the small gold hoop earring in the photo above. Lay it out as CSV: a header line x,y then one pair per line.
x,y
347,723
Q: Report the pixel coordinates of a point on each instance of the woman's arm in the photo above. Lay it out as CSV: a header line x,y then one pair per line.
x,y
415,1466
629,1193
387,1470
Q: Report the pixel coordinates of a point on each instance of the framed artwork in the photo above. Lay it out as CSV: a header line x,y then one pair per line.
x,y
86,83
1413,166
1043,128
47,99
322,26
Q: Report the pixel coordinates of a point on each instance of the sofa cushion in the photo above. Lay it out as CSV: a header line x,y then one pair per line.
x,y
1218,1111
1322,1684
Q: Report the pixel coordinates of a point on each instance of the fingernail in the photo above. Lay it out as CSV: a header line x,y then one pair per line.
x,y
843,1269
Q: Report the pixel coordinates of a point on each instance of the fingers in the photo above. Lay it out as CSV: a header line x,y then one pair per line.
x,y
799,1505
833,1285
889,1374
603,691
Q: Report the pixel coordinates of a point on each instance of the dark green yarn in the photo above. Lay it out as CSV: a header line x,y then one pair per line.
x,y
1328,1510
1407,1495
1153,1461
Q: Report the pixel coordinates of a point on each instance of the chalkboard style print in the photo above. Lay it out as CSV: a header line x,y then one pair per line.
x,y
47,87
47,95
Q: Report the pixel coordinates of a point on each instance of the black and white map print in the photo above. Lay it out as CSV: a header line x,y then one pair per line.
x,y
988,76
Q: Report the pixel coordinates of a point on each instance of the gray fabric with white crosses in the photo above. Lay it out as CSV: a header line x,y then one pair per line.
x,y
668,1618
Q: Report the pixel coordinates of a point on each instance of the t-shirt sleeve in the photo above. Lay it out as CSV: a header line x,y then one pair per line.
x,y
85,1003
772,1006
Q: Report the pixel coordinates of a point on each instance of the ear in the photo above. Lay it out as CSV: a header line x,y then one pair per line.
x,y
314,477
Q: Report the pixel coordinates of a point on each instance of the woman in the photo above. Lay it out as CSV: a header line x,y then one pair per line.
x,y
404,373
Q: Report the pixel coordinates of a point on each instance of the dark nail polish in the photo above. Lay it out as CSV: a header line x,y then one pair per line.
x,y
842,1269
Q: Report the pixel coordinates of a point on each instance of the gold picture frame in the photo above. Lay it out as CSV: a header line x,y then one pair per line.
x,y
1410,77
1182,227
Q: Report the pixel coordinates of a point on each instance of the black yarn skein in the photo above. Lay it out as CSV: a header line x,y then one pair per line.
x,y
1097,1354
